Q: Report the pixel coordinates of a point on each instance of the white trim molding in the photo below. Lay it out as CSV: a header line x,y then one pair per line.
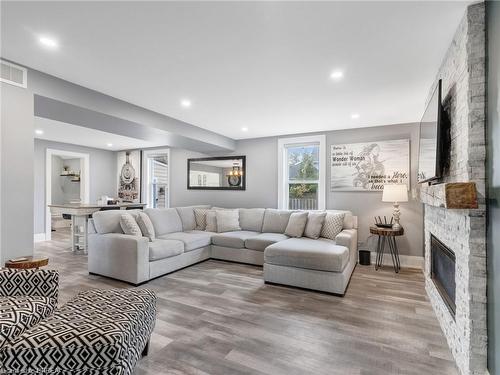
x,y
407,261
39,237
283,143
146,173
84,182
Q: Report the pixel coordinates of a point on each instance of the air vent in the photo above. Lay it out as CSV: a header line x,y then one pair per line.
x,y
13,74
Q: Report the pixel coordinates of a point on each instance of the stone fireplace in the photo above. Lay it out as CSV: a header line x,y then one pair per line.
x,y
461,229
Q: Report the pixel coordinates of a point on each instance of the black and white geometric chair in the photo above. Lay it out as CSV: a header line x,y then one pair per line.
x,y
98,332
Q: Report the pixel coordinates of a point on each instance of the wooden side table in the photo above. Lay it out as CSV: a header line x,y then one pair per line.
x,y
387,235
31,262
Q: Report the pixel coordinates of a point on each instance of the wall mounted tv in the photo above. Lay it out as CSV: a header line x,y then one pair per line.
x,y
434,144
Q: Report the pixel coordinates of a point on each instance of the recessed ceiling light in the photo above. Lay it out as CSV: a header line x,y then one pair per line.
x,y
336,75
48,42
355,116
244,129
186,103
109,145
39,131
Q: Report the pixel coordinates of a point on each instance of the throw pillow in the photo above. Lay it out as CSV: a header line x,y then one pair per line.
x,y
333,225
296,224
146,225
275,221
200,215
129,225
211,221
314,224
227,220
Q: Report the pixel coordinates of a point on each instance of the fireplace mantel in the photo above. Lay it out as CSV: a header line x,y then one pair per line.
x,y
451,195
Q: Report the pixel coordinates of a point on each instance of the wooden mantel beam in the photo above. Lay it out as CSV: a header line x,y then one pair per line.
x,y
451,195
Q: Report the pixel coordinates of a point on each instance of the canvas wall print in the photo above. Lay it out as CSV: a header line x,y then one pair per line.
x,y
129,176
368,166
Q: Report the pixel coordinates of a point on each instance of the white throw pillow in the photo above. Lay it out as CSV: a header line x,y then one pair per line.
x,y
211,221
200,216
146,226
227,220
314,224
333,225
296,224
129,225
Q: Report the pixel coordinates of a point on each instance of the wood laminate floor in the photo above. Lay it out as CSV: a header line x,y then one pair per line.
x,y
220,318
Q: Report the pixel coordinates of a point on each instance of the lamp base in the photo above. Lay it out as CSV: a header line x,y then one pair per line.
x,y
396,214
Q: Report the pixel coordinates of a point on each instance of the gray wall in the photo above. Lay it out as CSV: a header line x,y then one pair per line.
x,y
262,183
493,240
103,175
16,157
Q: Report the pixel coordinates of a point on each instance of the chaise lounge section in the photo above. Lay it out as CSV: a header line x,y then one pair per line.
x,y
314,263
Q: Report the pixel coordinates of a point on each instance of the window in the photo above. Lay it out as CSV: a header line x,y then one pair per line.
x,y
301,173
156,178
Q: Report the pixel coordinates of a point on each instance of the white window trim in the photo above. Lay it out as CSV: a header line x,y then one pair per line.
x,y
146,173
282,168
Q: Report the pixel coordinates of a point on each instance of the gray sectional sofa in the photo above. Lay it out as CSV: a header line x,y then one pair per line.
x,y
320,264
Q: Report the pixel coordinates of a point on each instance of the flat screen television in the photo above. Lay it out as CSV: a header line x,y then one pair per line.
x,y
433,154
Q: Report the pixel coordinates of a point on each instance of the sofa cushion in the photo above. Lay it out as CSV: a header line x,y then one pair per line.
x,y
333,225
187,216
322,254
129,225
296,224
161,249
165,220
227,220
314,224
20,313
98,332
109,221
252,219
192,239
146,225
263,240
275,221
233,239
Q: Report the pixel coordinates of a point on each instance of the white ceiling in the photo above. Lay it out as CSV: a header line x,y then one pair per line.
x,y
260,65
68,133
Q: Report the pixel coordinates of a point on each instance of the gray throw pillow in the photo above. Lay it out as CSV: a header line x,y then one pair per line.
x,y
275,221
314,224
211,221
333,225
227,220
129,225
146,226
296,224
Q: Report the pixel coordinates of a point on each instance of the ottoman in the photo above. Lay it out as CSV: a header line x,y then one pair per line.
x,y
312,264
98,332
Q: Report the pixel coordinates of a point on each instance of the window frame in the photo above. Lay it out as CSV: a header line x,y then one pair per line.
x,y
283,179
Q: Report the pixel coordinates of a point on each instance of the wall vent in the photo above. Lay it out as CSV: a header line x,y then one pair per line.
x,y
13,74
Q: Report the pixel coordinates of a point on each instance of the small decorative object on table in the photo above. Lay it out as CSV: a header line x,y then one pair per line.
x,y
27,262
387,235
383,224
395,193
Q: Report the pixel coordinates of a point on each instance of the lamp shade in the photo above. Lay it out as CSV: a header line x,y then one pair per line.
x,y
395,193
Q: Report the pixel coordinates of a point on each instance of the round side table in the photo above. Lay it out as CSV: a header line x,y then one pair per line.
x,y
387,235
29,263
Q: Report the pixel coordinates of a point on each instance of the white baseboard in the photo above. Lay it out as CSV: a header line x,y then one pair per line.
x,y
407,261
39,237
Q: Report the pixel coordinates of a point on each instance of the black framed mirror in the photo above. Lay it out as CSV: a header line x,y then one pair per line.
x,y
217,173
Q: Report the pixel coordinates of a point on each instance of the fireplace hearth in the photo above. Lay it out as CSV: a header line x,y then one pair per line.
x,y
443,272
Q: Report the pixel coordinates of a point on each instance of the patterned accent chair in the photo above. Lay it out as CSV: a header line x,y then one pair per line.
x,y
98,332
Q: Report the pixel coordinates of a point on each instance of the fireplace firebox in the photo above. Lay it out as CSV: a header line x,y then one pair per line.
x,y
443,272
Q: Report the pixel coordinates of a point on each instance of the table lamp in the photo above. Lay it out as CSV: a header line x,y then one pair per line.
x,y
395,193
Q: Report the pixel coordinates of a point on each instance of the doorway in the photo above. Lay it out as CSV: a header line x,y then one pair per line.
x,y
156,178
66,181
